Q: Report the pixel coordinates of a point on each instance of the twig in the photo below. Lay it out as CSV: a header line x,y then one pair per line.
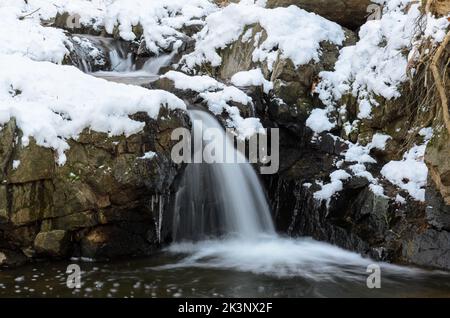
x,y
28,14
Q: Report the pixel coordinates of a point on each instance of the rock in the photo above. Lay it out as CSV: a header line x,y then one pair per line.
x,y
437,158
11,259
53,243
239,55
46,210
34,163
429,248
112,241
440,7
437,212
349,13
8,134
71,23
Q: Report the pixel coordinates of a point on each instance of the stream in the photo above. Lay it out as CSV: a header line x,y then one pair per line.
x,y
225,243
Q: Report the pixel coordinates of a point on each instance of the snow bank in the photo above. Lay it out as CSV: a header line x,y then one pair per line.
x,y
296,33
28,38
161,20
218,97
53,103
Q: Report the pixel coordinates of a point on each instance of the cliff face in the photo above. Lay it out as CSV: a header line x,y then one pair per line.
x,y
103,202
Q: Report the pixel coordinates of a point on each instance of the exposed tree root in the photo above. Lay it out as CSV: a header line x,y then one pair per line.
x,y
440,85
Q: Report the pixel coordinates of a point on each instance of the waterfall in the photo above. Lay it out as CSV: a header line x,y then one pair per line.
x,y
219,199
91,54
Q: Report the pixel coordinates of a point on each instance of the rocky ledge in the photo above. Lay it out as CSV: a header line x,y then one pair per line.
x,y
104,202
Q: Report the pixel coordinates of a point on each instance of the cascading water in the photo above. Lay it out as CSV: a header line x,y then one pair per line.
x,y
222,220
113,60
220,198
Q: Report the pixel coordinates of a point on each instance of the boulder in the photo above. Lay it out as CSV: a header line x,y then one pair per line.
x,y
52,243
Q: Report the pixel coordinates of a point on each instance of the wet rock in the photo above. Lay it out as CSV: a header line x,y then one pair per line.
x,y
112,241
348,13
53,243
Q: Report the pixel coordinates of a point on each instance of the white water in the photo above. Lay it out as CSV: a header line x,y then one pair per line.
x,y
225,199
280,257
222,220
123,67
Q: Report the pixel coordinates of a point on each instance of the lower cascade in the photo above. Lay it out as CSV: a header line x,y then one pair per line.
x,y
222,220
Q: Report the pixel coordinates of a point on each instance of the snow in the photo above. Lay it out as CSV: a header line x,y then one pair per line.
x,y
297,34
400,199
148,155
218,97
318,121
410,173
358,155
53,103
426,133
336,185
252,78
377,63
377,190
195,83
28,38
161,20
379,141
15,164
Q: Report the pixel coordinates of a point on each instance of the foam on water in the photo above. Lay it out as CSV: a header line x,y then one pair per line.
x,y
277,256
